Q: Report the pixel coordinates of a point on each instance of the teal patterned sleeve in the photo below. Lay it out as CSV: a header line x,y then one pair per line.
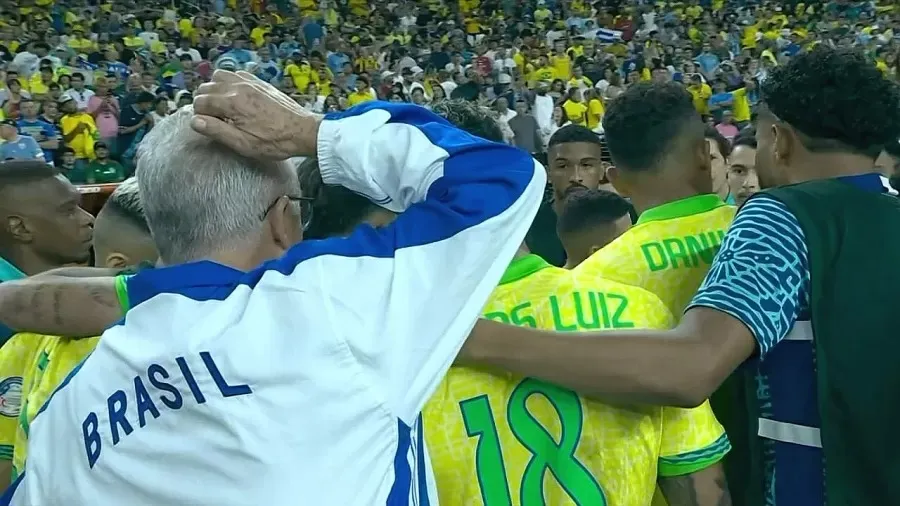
x,y
761,274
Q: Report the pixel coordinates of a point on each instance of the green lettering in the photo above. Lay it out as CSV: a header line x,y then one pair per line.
x,y
558,323
604,310
520,317
498,316
546,453
617,321
489,467
699,248
676,251
655,256
580,316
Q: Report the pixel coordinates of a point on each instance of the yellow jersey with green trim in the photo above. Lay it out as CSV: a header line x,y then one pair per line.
x,y
16,358
56,357
668,251
497,439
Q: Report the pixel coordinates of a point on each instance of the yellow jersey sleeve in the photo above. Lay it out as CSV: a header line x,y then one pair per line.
x,y
692,439
32,381
16,356
57,358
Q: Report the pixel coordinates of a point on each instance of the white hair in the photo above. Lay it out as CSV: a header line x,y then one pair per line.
x,y
200,197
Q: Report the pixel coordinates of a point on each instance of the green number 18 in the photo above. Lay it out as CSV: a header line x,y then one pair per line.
x,y
546,453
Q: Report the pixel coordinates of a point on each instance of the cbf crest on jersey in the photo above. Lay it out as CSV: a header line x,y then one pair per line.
x,y
11,396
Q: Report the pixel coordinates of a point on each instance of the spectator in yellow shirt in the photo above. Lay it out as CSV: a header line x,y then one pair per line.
x,y
740,104
700,92
363,92
562,63
574,107
78,130
79,43
40,82
301,73
543,72
579,80
595,108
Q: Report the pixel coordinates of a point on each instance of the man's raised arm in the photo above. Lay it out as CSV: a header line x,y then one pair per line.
x,y
405,296
75,302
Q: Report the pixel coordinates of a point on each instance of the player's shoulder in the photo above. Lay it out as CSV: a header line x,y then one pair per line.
x,y
19,348
619,250
627,305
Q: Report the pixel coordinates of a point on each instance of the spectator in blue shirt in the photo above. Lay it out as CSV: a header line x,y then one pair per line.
x,y
46,134
336,61
15,146
288,46
707,60
239,52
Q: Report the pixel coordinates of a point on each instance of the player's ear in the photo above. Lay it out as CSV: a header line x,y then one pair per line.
x,y
116,260
784,142
614,177
703,156
18,229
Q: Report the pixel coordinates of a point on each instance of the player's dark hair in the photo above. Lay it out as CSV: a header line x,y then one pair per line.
x,y
337,210
893,148
836,99
747,137
641,124
574,133
586,208
721,142
472,118
18,172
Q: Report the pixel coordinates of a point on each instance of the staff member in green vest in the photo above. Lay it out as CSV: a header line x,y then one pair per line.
x,y
803,288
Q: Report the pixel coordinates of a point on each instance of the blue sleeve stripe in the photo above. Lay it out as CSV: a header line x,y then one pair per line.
x,y
481,180
7,497
760,275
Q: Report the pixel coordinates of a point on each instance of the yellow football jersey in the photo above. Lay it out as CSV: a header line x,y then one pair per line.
x,y
668,252
58,356
497,439
16,356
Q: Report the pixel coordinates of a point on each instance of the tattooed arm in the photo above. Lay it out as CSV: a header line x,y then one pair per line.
x,y
66,305
706,487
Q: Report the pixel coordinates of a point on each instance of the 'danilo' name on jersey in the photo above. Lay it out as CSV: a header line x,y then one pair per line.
x,y
668,251
496,439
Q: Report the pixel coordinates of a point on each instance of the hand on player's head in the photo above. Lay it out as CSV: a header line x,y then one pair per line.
x,y
253,118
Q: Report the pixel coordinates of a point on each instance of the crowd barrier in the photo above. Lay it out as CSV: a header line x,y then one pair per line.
x,y
93,196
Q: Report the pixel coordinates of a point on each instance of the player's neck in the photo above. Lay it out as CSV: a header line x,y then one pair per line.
x,y
657,196
522,251
27,261
830,165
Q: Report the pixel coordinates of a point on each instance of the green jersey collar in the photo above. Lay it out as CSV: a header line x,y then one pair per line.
x,y
522,267
682,207
9,272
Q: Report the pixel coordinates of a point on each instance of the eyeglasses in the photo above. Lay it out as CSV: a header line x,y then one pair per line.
x,y
306,209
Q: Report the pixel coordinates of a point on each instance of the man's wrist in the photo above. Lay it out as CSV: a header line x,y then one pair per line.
x,y
307,138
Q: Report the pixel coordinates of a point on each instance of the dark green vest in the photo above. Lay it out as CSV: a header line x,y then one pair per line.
x,y
853,239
